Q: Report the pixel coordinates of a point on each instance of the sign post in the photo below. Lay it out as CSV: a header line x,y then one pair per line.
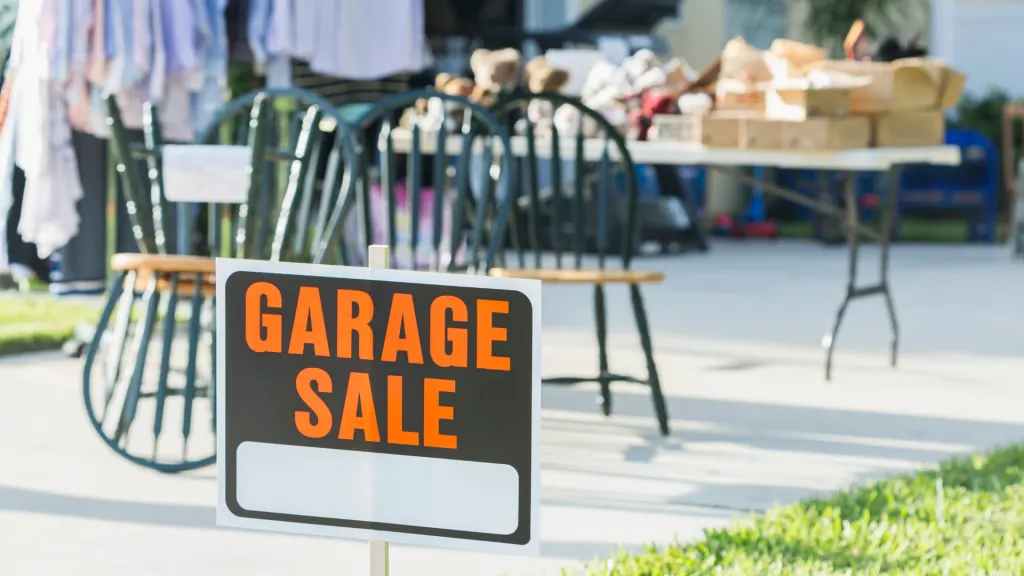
x,y
383,405
380,554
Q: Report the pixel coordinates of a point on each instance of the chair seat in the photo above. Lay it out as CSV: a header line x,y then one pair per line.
x,y
592,276
186,286
163,263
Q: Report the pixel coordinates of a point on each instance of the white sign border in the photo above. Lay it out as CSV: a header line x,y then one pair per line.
x,y
225,267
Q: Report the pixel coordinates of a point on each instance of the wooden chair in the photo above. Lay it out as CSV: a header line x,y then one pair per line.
x,y
584,217
461,220
126,377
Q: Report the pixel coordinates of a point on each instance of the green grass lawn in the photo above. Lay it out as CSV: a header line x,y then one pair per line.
x,y
967,517
33,321
944,231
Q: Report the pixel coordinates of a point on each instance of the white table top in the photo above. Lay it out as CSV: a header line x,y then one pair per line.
x,y
653,152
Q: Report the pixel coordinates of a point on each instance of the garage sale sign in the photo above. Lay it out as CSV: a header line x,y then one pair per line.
x,y
378,404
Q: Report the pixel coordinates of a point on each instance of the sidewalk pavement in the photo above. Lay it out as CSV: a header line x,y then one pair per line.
x,y
754,424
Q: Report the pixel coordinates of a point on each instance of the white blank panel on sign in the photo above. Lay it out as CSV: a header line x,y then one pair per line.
x,y
206,173
372,487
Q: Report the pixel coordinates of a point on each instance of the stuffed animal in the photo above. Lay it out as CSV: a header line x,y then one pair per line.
x,y
494,72
652,102
429,113
606,90
540,77
638,64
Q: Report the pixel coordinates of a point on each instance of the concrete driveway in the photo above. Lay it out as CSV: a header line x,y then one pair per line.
x,y
736,333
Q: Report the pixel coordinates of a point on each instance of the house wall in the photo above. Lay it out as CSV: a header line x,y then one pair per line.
x,y
983,40
698,36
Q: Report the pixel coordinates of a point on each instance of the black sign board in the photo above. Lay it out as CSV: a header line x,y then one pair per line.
x,y
378,404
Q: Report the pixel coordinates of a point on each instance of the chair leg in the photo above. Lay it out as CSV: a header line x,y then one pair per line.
x,y
652,371
600,312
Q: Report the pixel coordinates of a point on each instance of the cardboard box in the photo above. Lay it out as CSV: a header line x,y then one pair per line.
x,y
761,134
909,129
952,87
750,132
730,95
710,131
827,133
908,84
802,103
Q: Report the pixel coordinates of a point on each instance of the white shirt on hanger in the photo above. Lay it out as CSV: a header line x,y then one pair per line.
x,y
352,39
42,139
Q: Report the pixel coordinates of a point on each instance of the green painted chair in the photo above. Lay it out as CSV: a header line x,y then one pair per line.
x,y
149,367
465,226
564,223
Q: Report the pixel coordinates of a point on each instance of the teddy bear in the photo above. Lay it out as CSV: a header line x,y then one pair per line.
x,y
430,113
494,72
542,77
605,90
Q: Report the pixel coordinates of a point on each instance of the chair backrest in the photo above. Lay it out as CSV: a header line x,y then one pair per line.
x,y
587,216
461,216
294,182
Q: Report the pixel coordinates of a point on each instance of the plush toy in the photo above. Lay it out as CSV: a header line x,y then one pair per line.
x,y
430,113
638,64
652,102
606,90
494,72
541,76
678,75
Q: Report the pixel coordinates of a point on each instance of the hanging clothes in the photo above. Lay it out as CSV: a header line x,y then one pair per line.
x,y
344,39
372,39
66,57
213,89
42,140
334,48
9,103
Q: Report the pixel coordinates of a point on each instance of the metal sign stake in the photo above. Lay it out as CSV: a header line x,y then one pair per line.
x,y
379,257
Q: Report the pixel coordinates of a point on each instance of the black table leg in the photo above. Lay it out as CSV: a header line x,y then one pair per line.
x,y
886,222
853,292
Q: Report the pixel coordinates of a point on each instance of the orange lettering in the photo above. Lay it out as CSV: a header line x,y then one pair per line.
x,y
303,419
395,433
350,322
256,320
402,315
441,335
487,334
309,312
359,413
434,412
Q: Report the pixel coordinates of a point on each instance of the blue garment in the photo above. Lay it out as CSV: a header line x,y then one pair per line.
x,y
256,31
132,72
109,42
217,50
179,27
62,49
81,22
210,98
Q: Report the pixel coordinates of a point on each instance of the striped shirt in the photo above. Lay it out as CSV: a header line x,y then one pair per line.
x,y
341,92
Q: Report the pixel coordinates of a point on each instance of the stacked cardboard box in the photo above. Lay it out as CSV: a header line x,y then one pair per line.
x,y
790,119
810,103
905,100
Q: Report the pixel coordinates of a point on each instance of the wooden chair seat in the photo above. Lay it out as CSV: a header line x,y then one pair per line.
x,y
163,263
186,286
592,276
